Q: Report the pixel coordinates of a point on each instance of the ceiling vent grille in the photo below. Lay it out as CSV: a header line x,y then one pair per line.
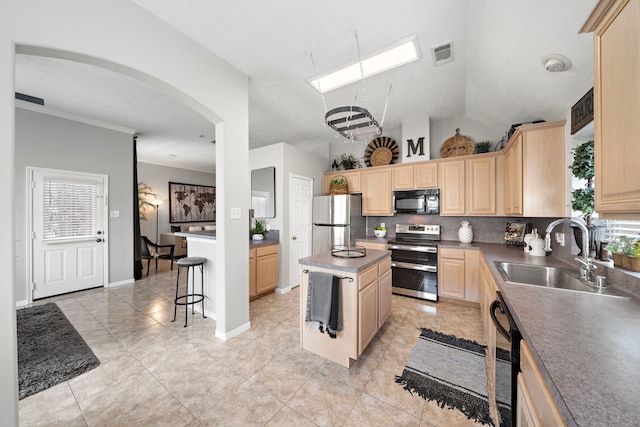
x,y
442,54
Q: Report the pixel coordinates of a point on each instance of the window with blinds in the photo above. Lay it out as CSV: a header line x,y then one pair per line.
x,y
617,228
70,210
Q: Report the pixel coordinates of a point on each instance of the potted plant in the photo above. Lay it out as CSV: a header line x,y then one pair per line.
x,y
144,191
582,168
258,229
348,161
626,252
483,147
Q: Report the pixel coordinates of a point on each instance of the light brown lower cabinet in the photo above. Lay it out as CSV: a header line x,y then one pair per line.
x,y
458,274
536,406
378,246
263,270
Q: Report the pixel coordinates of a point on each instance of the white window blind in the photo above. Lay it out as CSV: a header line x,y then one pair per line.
x,y
617,228
70,210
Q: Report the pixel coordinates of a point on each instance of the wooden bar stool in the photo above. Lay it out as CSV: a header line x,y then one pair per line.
x,y
189,299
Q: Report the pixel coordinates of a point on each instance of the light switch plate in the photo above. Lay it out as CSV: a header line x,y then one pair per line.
x,y
114,214
236,213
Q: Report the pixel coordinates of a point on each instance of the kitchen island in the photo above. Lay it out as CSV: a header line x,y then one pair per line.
x,y
365,285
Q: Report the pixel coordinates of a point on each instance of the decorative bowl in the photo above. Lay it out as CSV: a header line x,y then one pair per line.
x,y
380,233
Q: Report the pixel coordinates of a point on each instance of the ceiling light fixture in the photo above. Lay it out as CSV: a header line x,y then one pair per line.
x,y
352,122
556,63
398,53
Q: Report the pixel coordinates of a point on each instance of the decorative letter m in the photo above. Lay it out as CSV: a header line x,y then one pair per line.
x,y
413,148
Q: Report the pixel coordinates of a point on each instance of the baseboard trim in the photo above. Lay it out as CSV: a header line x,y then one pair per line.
x,y
22,303
120,283
234,333
283,290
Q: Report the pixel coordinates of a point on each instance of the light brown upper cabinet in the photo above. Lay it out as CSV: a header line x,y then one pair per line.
x,y
426,175
534,171
468,187
377,191
403,178
617,107
353,181
413,177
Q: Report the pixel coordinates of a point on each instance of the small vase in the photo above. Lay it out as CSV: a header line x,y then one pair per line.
x,y
258,237
465,233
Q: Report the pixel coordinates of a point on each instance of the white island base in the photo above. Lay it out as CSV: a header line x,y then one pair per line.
x,y
366,304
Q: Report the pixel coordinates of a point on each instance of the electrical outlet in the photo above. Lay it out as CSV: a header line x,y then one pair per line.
x,y
560,239
114,214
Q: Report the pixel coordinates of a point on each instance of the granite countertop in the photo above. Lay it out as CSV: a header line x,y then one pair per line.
x,y
211,235
262,243
350,265
374,239
586,346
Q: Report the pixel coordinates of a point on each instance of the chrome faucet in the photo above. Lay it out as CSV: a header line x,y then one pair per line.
x,y
586,267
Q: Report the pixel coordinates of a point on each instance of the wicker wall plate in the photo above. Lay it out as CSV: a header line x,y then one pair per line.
x,y
457,145
381,151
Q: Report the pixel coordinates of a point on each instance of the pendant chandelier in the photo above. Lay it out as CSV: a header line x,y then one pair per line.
x,y
353,122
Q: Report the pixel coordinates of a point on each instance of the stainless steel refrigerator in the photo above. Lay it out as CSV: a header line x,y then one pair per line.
x,y
337,220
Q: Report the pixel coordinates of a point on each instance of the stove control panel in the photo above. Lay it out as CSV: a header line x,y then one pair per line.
x,y
428,229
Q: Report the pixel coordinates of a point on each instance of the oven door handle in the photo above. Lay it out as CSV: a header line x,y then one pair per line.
x,y
495,305
428,249
428,268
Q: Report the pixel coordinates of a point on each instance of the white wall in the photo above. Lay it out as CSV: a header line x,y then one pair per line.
x,y
119,35
157,178
443,129
287,160
51,142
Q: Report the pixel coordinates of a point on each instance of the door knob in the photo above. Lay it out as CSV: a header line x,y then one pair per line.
x,y
294,238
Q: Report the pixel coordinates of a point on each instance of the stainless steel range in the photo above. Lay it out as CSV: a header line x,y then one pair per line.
x,y
414,260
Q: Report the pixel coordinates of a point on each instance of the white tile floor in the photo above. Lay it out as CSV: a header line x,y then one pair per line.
x,y
157,373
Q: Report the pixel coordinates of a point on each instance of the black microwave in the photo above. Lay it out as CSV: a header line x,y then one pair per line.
x,y
423,202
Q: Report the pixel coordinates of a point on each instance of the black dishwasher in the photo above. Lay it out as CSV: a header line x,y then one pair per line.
x,y
506,385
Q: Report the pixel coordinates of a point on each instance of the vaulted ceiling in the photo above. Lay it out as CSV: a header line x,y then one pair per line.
x,y
497,76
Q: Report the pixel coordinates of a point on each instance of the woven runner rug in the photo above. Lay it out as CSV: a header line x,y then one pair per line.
x,y
50,350
452,372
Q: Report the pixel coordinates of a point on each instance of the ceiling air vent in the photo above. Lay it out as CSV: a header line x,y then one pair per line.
x,y
442,54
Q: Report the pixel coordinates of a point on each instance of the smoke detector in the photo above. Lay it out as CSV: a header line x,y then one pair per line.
x,y
556,63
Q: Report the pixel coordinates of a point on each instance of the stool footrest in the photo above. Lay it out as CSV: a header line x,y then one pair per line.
x,y
195,301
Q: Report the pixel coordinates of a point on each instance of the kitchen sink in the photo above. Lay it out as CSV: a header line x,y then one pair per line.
x,y
550,277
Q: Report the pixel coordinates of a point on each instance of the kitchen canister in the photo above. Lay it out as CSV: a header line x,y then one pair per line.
x,y
537,247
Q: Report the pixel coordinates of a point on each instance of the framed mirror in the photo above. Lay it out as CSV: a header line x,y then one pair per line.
x,y
263,192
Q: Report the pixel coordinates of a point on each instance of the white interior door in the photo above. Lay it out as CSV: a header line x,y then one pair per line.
x,y
67,232
300,200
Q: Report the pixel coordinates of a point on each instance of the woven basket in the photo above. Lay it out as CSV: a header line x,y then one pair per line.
x,y
335,188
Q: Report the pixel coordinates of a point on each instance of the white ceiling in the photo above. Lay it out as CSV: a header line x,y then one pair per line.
x,y
497,78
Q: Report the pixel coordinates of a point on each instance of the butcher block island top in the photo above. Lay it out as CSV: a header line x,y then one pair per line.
x,y
365,303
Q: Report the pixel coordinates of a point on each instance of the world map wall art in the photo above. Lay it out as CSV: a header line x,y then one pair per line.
x,y
192,203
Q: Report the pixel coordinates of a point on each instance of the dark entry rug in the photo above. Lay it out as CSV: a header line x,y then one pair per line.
x,y
50,350
452,372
